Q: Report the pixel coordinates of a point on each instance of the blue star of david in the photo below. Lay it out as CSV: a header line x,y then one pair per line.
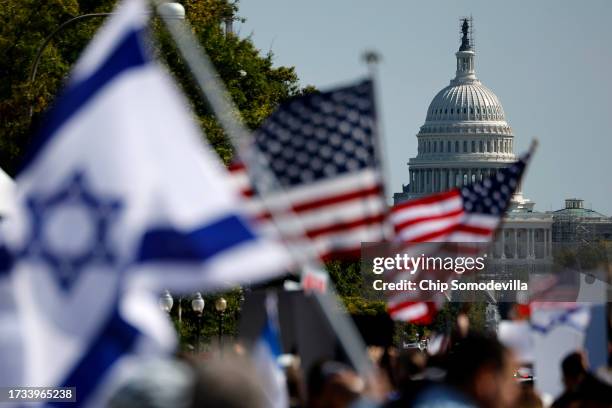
x,y
101,212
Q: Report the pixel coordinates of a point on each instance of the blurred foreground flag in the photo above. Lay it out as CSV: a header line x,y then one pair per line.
x,y
465,215
118,199
266,353
321,148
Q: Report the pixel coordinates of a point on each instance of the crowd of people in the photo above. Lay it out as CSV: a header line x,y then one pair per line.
x,y
475,371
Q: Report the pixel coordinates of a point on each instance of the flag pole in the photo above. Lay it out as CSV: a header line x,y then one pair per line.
x,y
306,255
533,146
372,58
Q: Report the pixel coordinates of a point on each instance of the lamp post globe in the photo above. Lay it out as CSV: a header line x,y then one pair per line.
x,y
221,305
171,10
197,304
166,301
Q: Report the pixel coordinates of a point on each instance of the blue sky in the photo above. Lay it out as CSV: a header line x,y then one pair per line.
x,y
549,62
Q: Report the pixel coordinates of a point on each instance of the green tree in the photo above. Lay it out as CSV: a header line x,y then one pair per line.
x,y
254,83
23,27
187,327
582,256
359,298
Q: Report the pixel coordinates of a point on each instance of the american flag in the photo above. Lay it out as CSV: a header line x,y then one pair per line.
x,y
465,215
321,149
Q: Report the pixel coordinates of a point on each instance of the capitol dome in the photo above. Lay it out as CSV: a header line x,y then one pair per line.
x,y
465,139
465,136
461,106
466,103
472,101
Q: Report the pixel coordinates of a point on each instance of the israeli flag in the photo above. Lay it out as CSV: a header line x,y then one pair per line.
x,y
266,353
118,199
557,329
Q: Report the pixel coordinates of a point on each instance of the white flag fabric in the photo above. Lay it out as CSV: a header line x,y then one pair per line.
x,y
517,336
11,346
11,349
118,199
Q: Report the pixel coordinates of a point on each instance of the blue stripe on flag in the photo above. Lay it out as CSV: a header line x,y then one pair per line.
x,y
128,54
167,244
6,260
116,340
564,318
270,336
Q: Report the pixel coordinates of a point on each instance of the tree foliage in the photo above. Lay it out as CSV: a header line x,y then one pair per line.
x,y
254,83
24,25
256,86
582,256
358,297
210,321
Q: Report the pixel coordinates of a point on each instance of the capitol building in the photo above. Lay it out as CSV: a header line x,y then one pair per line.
x,y
466,138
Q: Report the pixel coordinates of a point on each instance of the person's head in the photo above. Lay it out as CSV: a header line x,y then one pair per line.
x,y
409,364
155,383
574,369
483,368
528,397
230,382
333,385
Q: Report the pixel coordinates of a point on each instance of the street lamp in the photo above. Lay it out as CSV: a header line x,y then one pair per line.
x,y
220,306
166,301
197,305
171,10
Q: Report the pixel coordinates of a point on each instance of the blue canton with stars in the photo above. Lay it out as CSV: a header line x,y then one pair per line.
x,y
493,194
101,213
320,135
